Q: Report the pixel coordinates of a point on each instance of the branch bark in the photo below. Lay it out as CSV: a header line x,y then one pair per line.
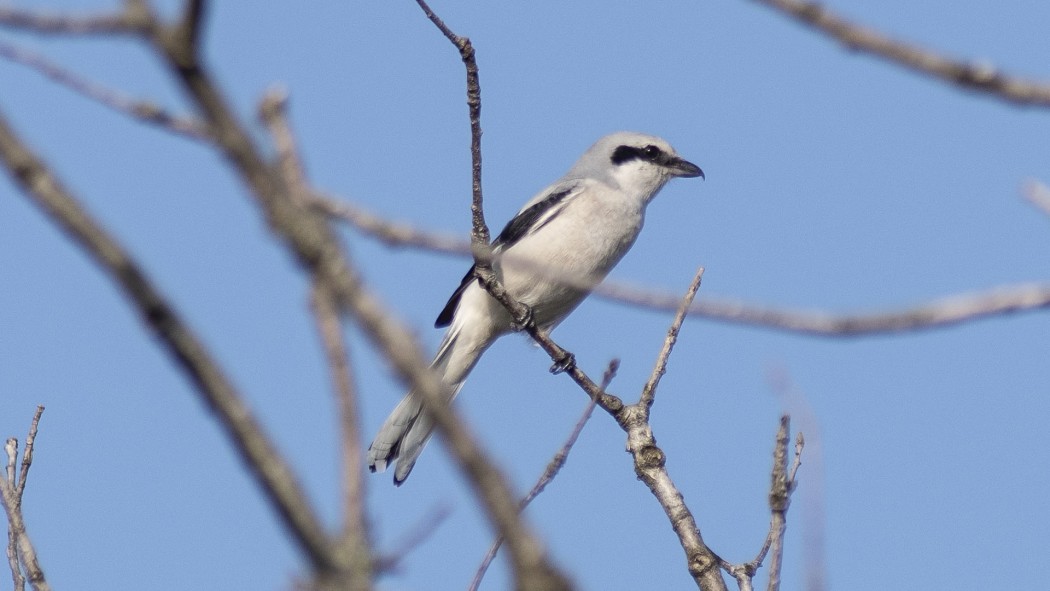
x,y
143,110
977,77
21,554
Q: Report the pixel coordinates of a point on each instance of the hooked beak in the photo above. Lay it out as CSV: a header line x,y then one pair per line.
x,y
685,169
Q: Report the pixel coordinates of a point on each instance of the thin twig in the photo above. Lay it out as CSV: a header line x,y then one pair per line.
x,y
390,561
812,519
21,554
781,486
976,77
354,541
11,451
27,455
559,459
649,391
145,111
549,473
388,232
480,232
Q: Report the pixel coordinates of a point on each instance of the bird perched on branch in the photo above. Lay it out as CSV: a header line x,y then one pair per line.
x,y
577,228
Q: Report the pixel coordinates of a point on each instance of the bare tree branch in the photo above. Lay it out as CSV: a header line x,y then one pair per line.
x,y
145,111
649,391
273,110
264,462
480,232
18,579
24,546
781,487
559,459
27,455
192,17
971,76
812,519
21,555
650,464
354,546
935,314
354,543
131,21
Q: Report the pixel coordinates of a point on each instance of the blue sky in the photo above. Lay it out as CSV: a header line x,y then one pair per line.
x,y
834,182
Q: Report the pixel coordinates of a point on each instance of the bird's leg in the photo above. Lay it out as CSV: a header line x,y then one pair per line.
x,y
563,360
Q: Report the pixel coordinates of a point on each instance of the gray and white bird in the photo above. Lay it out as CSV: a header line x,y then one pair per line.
x,y
578,227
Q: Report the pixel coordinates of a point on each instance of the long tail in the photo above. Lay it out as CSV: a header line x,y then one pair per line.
x,y
407,430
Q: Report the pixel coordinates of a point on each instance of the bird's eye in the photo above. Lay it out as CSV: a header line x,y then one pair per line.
x,y
651,152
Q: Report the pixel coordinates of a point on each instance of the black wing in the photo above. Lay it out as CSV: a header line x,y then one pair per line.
x,y
529,219
445,317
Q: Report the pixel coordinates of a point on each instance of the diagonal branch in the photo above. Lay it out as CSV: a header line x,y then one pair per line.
x,y
649,390
27,455
650,463
966,307
971,76
354,543
264,462
145,111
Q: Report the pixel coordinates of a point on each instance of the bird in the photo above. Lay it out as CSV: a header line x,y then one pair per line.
x,y
578,227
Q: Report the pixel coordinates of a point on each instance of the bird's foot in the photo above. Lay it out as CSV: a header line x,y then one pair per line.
x,y
525,321
567,362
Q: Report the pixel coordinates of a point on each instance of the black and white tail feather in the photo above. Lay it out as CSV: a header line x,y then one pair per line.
x,y
580,227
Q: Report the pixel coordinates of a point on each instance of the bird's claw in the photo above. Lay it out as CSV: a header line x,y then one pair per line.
x,y
526,320
564,364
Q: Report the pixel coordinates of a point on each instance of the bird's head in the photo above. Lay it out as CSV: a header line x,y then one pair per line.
x,y
635,162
